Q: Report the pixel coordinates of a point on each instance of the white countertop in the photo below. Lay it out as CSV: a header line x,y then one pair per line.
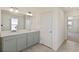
x,y
8,33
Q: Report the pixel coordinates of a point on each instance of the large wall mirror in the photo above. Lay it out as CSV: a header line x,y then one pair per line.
x,y
12,21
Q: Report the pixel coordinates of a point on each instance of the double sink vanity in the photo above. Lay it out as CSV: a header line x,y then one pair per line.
x,y
19,40
12,38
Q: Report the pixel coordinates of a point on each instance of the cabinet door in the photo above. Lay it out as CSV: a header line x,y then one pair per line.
x,y
26,40
36,37
9,45
30,39
21,42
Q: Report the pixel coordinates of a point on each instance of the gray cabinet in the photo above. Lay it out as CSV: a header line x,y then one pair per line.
x,y
30,39
21,42
33,38
26,40
9,44
36,37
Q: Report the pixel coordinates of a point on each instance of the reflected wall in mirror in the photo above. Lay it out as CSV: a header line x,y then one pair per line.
x,y
28,22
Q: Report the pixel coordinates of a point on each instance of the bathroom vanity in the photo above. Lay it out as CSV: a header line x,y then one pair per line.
x,y
19,40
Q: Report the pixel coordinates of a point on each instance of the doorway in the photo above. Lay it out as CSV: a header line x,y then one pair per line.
x,y
73,28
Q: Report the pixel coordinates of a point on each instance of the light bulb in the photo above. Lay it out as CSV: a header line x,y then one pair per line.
x,y
29,14
16,11
11,9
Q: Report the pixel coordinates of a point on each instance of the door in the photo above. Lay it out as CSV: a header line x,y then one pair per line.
x,y
46,29
9,45
36,37
30,39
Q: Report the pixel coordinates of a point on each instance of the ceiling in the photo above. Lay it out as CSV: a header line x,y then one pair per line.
x,y
69,9
38,9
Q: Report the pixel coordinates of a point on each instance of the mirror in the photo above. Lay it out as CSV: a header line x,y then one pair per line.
x,y
73,24
12,21
14,24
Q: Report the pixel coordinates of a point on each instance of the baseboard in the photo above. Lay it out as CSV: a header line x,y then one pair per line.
x,y
62,44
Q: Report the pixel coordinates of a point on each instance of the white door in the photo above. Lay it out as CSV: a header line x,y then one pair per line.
x,y
46,29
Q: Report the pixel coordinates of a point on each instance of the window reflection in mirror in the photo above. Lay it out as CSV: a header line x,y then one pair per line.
x,y
14,24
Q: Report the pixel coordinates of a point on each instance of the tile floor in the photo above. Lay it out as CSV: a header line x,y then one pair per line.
x,y
67,46
38,48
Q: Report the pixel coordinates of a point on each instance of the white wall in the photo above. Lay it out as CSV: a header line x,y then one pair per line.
x,y
72,13
66,24
75,25
59,28
36,21
0,19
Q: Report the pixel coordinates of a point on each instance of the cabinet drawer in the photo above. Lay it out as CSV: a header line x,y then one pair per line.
x,y
21,35
9,38
14,36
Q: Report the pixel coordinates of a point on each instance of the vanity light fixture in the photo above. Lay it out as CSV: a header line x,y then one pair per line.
x,y
11,9
16,11
29,14
70,18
